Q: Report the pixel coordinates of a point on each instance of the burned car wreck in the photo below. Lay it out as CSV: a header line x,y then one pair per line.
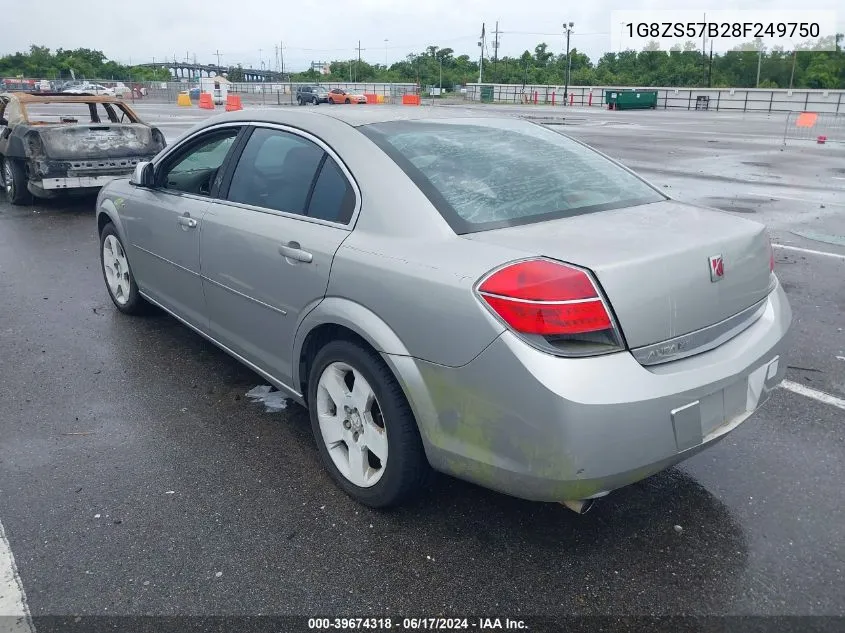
x,y
52,143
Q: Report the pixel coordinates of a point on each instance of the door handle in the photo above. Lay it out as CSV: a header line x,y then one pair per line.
x,y
291,250
187,221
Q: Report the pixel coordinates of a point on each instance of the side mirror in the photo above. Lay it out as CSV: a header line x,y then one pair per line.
x,y
143,176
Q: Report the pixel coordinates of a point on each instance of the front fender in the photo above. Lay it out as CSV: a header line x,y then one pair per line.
x,y
106,206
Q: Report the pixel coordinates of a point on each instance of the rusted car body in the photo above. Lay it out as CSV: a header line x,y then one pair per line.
x,y
53,142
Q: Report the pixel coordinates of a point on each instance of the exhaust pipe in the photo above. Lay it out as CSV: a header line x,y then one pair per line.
x,y
579,506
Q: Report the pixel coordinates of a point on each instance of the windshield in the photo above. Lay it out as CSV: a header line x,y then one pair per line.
x,y
490,174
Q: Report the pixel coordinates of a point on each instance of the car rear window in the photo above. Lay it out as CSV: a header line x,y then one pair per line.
x,y
491,174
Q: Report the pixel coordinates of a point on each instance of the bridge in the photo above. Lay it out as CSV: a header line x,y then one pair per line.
x,y
188,70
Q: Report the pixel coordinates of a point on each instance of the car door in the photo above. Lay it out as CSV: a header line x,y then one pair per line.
x,y
268,247
163,223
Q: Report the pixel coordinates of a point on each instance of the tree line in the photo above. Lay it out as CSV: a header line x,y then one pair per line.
x,y
684,66
42,63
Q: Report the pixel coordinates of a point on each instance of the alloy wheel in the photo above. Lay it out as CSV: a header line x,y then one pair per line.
x,y
351,424
117,269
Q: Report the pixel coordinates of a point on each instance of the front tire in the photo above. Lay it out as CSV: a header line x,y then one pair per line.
x,y
348,101
14,182
120,282
365,430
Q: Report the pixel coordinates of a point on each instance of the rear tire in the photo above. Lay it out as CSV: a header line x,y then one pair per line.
x,y
348,101
371,413
120,282
14,182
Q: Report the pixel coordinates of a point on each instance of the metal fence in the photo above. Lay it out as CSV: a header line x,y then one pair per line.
x,y
821,127
717,99
271,93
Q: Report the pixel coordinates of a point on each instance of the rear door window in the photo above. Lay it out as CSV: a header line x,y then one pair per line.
x,y
333,198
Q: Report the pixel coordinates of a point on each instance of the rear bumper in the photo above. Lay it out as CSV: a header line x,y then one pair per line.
x,y
540,427
79,182
50,176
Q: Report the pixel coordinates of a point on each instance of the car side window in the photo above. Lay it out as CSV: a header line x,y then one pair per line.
x,y
275,171
195,170
333,198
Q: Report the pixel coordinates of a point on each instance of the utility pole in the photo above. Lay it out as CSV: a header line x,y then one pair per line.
x,y
792,74
441,75
759,60
282,56
218,53
385,52
568,28
359,49
481,58
710,67
496,45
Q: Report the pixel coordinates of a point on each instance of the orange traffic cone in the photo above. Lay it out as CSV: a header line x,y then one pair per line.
x,y
233,102
205,101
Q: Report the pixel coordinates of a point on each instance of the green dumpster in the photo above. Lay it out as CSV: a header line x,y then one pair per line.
x,y
630,99
487,94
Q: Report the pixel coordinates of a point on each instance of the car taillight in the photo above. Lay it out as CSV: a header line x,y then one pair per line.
x,y
556,306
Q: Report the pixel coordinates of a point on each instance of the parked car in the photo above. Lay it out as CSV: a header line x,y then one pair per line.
x,y
90,89
311,94
339,95
56,142
481,296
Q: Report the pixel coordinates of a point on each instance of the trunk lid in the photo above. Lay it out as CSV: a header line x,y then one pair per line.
x,y
97,141
653,263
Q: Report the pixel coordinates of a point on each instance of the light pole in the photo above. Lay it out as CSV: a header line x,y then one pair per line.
x,y
385,52
568,28
441,76
759,60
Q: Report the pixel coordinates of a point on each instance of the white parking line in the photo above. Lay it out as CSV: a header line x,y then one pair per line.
x,y
810,200
821,396
14,614
808,250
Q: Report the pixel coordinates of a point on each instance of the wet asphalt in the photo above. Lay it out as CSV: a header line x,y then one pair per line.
x,y
136,478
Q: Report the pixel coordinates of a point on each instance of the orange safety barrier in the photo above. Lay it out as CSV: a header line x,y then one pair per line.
x,y
371,97
205,101
410,100
233,102
806,119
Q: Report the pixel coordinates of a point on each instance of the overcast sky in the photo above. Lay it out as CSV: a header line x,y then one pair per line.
x,y
247,31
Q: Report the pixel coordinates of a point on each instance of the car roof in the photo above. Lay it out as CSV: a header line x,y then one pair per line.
x,y
355,116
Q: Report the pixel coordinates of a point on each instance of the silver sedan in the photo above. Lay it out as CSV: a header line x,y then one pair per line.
x,y
478,296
